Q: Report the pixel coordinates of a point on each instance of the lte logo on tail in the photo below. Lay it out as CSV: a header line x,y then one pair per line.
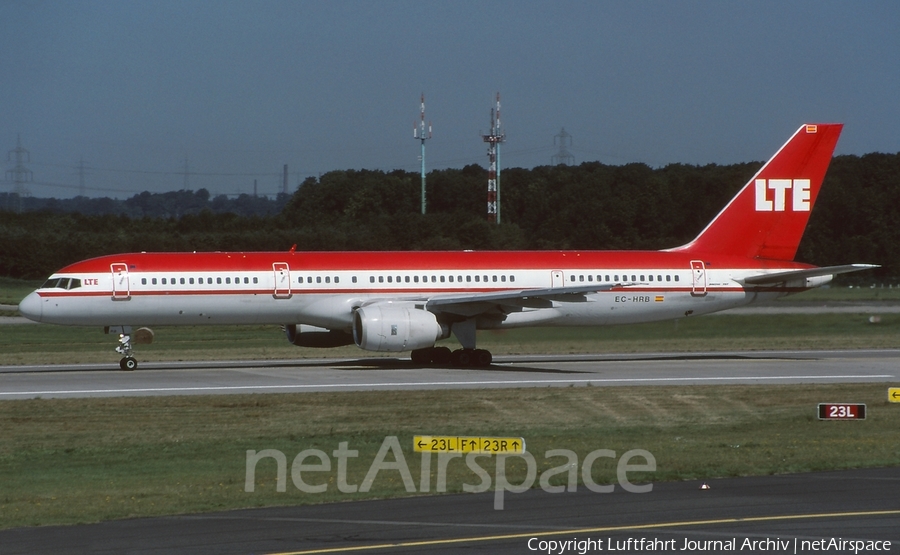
x,y
799,195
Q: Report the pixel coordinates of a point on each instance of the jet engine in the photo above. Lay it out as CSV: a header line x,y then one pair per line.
x,y
380,328
311,336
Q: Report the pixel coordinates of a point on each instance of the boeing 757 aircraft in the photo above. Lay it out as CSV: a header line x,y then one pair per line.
x,y
406,301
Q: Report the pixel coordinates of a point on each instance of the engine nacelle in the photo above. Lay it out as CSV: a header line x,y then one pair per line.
x,y
311,336
377,328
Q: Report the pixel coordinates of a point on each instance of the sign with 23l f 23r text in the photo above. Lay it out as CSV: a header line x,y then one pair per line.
x,y
842,411
469,444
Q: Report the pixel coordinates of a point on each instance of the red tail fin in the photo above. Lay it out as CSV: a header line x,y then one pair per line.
x,y
768,216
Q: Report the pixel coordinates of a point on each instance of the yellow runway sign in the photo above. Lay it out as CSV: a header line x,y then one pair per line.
x,y
894,394
469,444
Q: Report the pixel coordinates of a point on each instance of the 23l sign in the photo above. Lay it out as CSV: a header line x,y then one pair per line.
x,y
842,411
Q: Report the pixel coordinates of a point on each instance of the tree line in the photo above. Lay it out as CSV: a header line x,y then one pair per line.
x,y
589,206
173,204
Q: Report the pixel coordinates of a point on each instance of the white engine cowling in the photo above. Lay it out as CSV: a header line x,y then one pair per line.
x,y
377,328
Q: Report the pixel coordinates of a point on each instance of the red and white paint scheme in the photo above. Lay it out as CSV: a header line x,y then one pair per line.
x,y
406,301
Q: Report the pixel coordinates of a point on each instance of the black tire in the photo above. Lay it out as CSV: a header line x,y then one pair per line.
x,y
462,357
482,357
441,355
128,363
421,356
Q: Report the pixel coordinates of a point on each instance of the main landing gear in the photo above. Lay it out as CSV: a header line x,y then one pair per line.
x,y
468,356
459,358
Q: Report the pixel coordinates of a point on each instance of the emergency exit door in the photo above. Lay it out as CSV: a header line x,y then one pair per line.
x,y
121,290
282,280
698,276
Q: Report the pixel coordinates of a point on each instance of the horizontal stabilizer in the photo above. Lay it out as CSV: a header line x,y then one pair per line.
x,y
781,277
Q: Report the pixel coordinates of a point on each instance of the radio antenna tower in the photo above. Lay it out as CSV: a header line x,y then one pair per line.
x,y
420,133
493,139
19,175
562,156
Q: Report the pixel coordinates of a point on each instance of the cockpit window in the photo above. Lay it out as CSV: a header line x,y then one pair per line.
x,y
61,283
51,284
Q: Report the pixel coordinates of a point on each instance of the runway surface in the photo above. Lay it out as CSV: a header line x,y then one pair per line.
x,y
222,377
778,513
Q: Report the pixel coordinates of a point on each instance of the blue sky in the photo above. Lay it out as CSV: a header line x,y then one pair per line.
x,y
240,88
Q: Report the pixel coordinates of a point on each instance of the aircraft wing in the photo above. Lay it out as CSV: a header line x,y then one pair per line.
x,y
781,277
470,304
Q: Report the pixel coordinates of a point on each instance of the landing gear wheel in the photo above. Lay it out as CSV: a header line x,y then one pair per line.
x,y
125,349
473,358
421,356
462,357
441,355
482,357
431,355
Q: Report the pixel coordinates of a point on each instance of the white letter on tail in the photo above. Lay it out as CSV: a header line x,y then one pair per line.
x,y
762,203
780,186
801,195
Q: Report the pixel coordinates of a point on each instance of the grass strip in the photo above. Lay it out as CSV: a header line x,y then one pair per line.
x,y
46,344
87,460
12,291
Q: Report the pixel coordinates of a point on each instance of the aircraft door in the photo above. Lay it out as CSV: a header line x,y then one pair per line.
x,y
698,277
282,280
557,279
121,284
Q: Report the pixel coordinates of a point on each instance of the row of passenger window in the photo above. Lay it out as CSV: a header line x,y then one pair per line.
x,y
412,279
615,278
67,283
325,279
199,281
608,278
318,279
444,279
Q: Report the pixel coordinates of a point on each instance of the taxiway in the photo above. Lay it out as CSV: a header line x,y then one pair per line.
x,y
785,510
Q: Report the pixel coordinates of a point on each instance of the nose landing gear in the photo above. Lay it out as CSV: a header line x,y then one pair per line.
x,y
128,362
143,336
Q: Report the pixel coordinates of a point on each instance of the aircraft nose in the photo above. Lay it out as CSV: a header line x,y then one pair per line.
x,y
32,307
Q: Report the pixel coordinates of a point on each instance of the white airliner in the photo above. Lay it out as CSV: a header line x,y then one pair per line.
x,y
406,301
